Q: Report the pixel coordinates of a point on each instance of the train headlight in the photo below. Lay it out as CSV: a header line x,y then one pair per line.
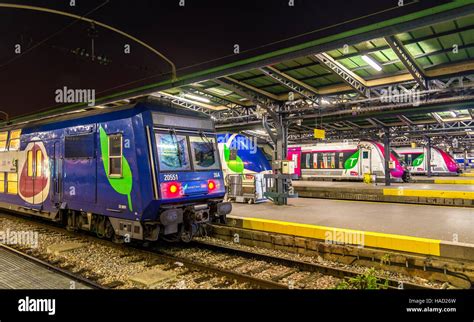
x,y
211,185
171,190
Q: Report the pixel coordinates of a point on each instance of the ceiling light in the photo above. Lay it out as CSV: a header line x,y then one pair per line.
x,y
197,98
453,114
372,63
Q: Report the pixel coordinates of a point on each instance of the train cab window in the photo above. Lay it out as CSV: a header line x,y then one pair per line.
x,y
3,140
204,152
172,152
115,155
14,143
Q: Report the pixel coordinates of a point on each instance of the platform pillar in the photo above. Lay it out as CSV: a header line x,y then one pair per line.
x,y
386,142
278,184
428,157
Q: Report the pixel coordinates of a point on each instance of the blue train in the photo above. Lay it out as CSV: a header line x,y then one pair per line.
x,y
142,171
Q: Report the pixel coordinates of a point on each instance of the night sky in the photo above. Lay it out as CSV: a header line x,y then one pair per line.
x,y
192,35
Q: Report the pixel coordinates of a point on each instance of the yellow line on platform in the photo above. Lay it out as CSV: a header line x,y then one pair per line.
x,y
348,236
467,174
454,181
429,193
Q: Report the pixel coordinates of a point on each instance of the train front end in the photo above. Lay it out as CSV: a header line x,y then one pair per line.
x,y
190,180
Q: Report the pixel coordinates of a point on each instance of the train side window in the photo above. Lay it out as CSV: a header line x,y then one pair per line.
x,y
79,146
306,160
29,157
14,143
3,140
2,181
365,154
115,155
12,183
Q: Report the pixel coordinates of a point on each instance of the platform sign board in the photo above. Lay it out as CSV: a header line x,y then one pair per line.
x,y
319,134
413,145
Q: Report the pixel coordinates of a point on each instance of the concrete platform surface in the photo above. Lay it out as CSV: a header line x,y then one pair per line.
x,y
441,231
462,179
18,273
413,220
428,230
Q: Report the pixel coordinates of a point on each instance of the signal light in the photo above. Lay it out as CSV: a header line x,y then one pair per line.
x,y
171,189
211,185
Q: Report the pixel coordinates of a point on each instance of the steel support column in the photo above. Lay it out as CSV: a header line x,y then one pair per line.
x,y
428,157
386,142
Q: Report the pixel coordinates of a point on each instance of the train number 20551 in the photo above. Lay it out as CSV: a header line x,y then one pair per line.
x,y
170,177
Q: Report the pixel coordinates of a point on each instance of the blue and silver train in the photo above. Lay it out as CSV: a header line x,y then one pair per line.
x,y
141,171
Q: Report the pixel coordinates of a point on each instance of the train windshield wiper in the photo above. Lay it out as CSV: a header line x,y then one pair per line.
x,y
207,141
178,147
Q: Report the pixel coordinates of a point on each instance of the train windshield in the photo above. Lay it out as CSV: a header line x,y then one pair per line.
x,y
204,152
172,152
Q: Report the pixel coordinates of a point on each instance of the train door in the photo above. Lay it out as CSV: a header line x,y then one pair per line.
x,y
56,173
294,154
79,170
34,181
365,160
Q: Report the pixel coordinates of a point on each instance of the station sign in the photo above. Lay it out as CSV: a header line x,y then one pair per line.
x,y
319,134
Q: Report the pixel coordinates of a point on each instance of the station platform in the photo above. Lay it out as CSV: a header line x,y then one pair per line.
x,y
19,273
425,194
427,230
464,178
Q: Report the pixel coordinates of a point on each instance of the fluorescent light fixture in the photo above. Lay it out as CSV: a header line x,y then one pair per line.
x,y
453,114
197,98
324,101
372,63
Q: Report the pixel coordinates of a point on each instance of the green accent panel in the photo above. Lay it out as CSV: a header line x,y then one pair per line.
x,y
419,160
121,185
352,161
235,165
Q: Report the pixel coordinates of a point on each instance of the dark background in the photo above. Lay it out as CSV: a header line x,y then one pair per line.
x,y
201,31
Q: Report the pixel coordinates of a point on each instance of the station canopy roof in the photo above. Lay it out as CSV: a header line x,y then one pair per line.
x,y
422,65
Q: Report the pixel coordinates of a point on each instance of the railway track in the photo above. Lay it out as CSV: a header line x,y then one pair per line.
x,y
302,265
215,265
188,269
55,269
